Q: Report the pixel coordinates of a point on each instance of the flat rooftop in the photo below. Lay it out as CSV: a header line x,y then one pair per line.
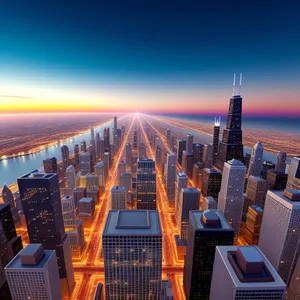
x,y
86,200
279,196
38,175
132,222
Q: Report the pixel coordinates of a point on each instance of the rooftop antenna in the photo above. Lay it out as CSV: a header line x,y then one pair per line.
x,y
218,121
240,86
233,92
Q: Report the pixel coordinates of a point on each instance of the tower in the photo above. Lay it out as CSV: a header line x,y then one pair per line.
x,y
71,177
65,155
50,165
231,198
76,155
231,146
8,199
181,145
171,177
118,197
85,163
128,155
83,146
189,142
256,160
216,136
281,162
99,168
293,181
211,183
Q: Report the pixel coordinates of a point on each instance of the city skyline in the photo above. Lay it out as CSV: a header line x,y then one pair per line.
x,y
153,58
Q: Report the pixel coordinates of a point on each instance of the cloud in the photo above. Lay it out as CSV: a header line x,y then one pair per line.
x,y
18,97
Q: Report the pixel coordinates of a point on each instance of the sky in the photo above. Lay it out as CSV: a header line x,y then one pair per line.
x,y
149,56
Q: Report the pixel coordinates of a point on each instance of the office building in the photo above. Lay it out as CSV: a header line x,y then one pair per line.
x,y
86,162
100,148
132,250
293,181
256,160
189,142
76,156
280,230
166,290
121,168
168,137
118,197
244,273
181,145
211,182
231,146
71,177
78,194
10,245
92,151
86,208
207,229
41,202
216,136
33,274
253,224
83,146
171,178
267,165
94,194
107,163
197,174
181,182
188,161
208,158
209,203
65,156
135,139
123,130
50,165
189,200
146,184
276,180
198,151
115,125
99,169
128,156
158,156
231,198
106,137
8,199
281,162
126,181
68,211
142,150
256,192
91,182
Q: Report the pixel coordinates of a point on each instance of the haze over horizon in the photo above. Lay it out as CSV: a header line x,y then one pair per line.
x,y
151,58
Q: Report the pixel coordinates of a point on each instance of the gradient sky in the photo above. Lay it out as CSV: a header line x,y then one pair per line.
x,y
163,56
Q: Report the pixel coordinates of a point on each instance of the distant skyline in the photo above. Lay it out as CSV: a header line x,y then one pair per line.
x,y
156,57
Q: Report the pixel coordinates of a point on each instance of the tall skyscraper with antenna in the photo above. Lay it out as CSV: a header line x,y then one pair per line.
x,y
231,146
216,136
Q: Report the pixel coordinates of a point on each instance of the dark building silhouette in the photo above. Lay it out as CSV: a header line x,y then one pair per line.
x,y
76,155
83,146
65,156
50,165
181,146
276,180
211,182
267,165
216,136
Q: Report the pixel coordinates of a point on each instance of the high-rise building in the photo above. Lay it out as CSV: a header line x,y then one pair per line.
x,y
211,183
181,145
92,133
281,162
128,154
65,155
83,146
207,229
43,212
209,203
181,182
166,290
106,138
216,136
8,199
50,165
101,148
171,177
135,139
76,156
243,272
158,156
146,184
208,155
231,198
106,160
256,160
293,181
198,151
78,194
121,168
256,192
126,181
99,169
86,208
276,180
71,177
168,136
253,224
132,249
115,124
85,163
197,174
189,142
92,150
267,165
10,245
280,230
188,161
68,211
123,130
118,197
33,274
189,200
142,149
231,146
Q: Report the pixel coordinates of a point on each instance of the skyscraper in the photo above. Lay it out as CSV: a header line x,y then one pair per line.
x,y
41,202
188,161
142,149
92,133
76,156
208,155
293,181
276,180
231,147
280,230
126,181
33,274
128,154
181,145
71,177
244,273
115,124
121,168
146,184
256,160
209,203
267,165
135,139
132,249
106,160
216,136
256,192
106,138
83,146
189,142
207,229
99,169
253,224
189,200
8,199
211,183
65,155
197,174
181,182
118,197
50,165
281,162
231,199
10,245
198,151
85,163
168,136
171,177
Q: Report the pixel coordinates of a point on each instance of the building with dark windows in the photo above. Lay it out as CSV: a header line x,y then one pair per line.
x,y
231,146
198,151
41,201
216,136
8,199
50,165
267,165
207,229
83,146
135,139
188,161
211,183
181,146
10,245
76,155
146,184
253,224
65,156
276,180
106,138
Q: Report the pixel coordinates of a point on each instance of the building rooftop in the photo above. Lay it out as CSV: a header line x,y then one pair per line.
x,y
280,197
211,171
257,208
132,222
118,188
257,178
86,200
181,174
38,175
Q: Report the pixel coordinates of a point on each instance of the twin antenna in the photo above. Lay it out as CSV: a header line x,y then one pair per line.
x,y
237,92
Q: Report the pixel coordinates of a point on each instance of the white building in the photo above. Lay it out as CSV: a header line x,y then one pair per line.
x,y
118,197
71,177
244,273
33,274
189,200
280,230
293,181
132,249
256,160
171,176
231,199
181,182
68,211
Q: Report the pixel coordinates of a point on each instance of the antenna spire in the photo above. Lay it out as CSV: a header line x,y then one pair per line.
x,y
240,86
233,92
